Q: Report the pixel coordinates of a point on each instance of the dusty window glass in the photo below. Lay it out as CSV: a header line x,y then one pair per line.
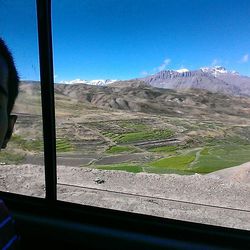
x,y
153,108
21,163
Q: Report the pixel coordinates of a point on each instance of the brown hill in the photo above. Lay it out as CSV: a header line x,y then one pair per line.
x,y
136,96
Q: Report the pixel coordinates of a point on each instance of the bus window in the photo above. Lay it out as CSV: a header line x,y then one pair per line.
x,y
152,107
21,163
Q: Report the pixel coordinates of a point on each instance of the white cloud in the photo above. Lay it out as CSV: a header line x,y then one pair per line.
x,y
144,73
163,66
245,58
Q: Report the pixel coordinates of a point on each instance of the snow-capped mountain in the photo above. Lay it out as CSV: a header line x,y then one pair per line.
x,y
215,79
218,70
98,82
182,70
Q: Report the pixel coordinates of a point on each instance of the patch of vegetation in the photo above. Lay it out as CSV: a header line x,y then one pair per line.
x,y
204,151
144,136
111,135
136,127
63,145
209,159
120,149
222,156
123,166
29,145
11,158
227,140
36,145
180,162
155,170
195,141
164,149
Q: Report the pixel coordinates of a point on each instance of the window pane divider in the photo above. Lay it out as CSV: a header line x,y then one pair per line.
x,y
47,95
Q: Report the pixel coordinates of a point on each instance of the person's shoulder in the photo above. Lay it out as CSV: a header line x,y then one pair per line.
x,y
5,52
3,47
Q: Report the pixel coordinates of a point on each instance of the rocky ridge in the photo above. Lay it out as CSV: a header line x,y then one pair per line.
x,y
216,79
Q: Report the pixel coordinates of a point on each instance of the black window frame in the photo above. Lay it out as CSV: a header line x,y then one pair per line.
x,y
100,223
47,95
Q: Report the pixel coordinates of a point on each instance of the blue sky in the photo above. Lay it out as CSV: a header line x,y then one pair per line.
x,y
123,39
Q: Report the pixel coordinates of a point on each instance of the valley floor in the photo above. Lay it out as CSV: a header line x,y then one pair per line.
x,y
219,198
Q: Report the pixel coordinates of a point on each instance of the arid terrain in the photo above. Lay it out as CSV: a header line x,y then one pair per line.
x,y
220,198
134,127
164,146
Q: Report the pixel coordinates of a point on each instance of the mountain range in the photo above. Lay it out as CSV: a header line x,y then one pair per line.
x,y
137,96
215,79
98,82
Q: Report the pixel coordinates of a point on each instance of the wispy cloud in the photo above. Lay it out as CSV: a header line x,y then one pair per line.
x,y
144,73
163,66
244,58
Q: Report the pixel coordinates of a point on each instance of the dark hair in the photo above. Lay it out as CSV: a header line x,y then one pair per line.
x,y
13,78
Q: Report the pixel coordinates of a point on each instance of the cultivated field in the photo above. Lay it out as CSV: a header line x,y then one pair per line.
x,y
168,132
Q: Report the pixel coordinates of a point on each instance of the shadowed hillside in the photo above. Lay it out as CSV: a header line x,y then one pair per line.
x,y
137,96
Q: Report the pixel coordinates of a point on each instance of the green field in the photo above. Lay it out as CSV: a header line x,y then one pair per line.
x,y
36,145
164,149
206,160
120,149
32,145
123,167
221,156
180,162
200,160
199,155
143,136
63,145
133,126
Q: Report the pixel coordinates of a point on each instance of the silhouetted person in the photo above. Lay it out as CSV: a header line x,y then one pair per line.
x,y
9,82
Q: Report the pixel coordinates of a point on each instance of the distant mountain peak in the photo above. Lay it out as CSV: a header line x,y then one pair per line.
x,y
182,70
218,70
99,82
214,79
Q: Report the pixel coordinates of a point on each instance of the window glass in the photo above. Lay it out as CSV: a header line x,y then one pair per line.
x,y
152,107
21,163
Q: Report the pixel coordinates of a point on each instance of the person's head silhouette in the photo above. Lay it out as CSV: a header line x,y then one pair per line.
x,y
9,81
